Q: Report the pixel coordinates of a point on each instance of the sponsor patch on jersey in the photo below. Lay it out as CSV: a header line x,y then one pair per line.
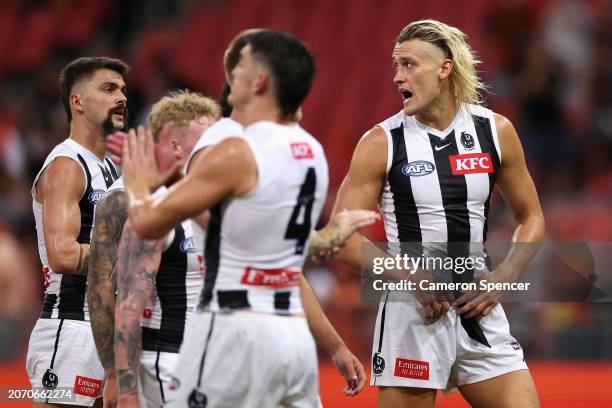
x,y
88,387
471,163
272,278
418,168
95,196
418,370
301,150
187,245
515,345
147,313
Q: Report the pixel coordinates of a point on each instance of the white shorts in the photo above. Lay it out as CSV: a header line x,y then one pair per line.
x,y
156,368
245,359
65,357
439,355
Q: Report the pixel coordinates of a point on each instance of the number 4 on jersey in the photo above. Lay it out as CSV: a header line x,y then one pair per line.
x,y
299,223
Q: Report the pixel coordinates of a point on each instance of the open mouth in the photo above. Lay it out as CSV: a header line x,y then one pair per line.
x,y
406,94
119,113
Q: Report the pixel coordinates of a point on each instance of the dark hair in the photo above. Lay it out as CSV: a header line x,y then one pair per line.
x,y
291,64
232,53
84,68
226,108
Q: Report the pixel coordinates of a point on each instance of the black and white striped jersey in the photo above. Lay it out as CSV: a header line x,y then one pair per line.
x,y
178,285
256,244
65,294
439,183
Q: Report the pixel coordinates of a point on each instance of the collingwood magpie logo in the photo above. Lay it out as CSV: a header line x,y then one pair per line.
x,y
49,380
378,364
197,399
467,141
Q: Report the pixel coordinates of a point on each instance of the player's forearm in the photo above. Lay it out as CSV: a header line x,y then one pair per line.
x,y
101,282
148,219
136,272
101,299
321,328
68,257
526,241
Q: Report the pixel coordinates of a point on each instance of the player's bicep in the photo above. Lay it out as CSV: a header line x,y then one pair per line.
x,y
365,178
514,180
62,185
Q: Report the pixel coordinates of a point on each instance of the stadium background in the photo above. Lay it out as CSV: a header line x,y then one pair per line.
x,y
549,65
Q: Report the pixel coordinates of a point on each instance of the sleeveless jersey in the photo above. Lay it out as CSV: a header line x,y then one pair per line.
x,y
177,286
439,183
65,293
256,244
438,188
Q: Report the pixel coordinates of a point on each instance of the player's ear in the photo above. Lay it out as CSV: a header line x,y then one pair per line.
x,y
446,68
76,102
261,82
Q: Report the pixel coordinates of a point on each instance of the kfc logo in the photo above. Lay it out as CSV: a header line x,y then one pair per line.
x,y
301,151
471,163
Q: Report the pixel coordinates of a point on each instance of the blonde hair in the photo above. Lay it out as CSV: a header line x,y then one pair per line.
x,y
465,84
181,108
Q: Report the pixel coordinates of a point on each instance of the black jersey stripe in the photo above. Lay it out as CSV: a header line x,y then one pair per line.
x,y
86,207
212,255
72,297
405,208
112,168
48,305
487,145
172,291
453,188
454,201
282,301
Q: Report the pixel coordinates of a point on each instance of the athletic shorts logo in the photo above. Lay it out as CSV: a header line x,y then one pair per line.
x,y
49,379
418,370
418,168
467,141
197,399
95,196
272,278
378,364
88,387
187,246
301,150
174,384
471,163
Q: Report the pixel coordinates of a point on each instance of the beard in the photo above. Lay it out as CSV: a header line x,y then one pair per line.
x,y
108,126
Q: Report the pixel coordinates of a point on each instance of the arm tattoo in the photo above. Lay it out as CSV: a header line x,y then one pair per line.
x,y
136,273
111,213
324,239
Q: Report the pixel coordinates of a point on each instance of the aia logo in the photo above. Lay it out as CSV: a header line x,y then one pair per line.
x,y
418,168
95,196
471,163
301,151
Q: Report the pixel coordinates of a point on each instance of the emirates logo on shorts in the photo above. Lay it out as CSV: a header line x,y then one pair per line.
x,y
88,387
418,370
